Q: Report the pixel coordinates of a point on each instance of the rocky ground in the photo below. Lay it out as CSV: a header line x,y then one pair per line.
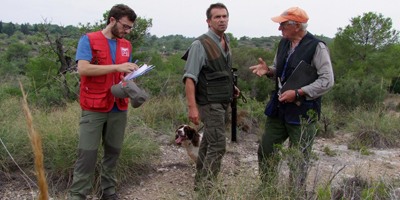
x,y
174,172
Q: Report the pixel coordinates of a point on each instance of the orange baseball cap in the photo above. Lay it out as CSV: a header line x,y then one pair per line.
x,y
294,13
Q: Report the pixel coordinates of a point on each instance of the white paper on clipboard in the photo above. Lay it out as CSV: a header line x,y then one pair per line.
x,y
142,70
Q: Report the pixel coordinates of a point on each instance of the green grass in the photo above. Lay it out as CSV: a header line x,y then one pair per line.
x,y
59,131
374,127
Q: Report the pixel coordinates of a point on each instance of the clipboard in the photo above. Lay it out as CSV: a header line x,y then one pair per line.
x,y
304,74
142,70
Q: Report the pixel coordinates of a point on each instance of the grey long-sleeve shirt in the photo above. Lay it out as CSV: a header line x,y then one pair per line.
x,y
323,64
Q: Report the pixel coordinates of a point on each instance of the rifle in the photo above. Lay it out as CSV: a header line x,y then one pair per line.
x,y
234,106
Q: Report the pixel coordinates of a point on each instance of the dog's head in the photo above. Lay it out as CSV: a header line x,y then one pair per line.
x,y
188,133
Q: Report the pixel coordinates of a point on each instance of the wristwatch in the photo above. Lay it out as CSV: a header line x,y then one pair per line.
x,y
297,94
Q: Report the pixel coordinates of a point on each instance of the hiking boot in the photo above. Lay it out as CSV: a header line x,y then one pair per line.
x,y
109,197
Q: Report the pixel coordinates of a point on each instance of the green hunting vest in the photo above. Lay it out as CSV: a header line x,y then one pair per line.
x,y
215,81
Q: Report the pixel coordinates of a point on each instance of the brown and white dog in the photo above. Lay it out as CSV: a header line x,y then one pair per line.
x,y
188,137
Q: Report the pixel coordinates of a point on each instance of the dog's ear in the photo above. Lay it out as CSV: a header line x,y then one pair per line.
x,y
196,138
189,132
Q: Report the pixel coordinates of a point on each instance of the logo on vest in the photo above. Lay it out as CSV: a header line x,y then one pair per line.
x,y
125,52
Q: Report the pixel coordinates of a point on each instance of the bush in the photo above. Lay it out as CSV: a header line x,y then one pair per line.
x,y
374,127
3,36
360,188
395,85
350,93
330,119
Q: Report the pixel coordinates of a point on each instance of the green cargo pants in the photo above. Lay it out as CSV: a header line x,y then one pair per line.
x,y
94,127
276,132
213,145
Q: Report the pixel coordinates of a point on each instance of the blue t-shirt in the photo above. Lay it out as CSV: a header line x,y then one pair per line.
x,y
84,52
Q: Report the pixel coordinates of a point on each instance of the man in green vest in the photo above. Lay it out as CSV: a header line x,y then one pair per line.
x,y
209,90
288,113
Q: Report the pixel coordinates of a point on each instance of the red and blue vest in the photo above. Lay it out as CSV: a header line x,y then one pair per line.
x,y
95,93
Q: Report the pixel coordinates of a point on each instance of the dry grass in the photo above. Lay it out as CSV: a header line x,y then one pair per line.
x,y
36,142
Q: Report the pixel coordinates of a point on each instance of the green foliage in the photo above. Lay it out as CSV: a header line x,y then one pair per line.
x,y
266,43
329,152
167,115
17,51
12,40
9,29
9,90
375,127
177,44
41,71
59,133
233,41
50,96
19,35
3,36
140,29
329,120
13,133
375,191
363,45
395,85
243,58
323,193
25,29
360,188
350,92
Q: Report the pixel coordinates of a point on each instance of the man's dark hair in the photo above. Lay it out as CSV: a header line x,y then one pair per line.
x,y
215,5
120,10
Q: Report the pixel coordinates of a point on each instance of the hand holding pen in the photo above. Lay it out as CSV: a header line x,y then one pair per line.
x,y
127,67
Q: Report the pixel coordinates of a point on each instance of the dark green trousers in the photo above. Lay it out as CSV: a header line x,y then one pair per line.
x,y
276,132
213,145
94,127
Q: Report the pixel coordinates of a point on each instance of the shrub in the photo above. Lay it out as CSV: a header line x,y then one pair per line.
x,y
359,188
3,36
374,127
330,118
395,85
350,93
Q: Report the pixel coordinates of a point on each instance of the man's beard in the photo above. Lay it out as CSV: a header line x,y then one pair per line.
x,y
115,32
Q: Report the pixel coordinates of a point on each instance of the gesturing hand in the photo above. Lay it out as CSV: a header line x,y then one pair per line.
x,y
260,69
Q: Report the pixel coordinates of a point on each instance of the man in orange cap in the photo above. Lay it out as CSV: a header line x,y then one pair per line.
x,y
287,112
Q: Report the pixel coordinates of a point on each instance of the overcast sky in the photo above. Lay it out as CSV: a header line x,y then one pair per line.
x,y
187,17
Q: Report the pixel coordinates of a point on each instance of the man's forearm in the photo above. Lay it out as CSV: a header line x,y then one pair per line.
x,y
190,92
87,69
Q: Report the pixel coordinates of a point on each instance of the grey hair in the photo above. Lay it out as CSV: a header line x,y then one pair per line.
x,y
303,25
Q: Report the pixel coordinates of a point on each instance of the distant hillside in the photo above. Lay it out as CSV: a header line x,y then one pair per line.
x,y
267,43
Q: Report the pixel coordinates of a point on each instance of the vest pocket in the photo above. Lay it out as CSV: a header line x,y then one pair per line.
x,y
99,53
95,98
218,87
293,112
271,109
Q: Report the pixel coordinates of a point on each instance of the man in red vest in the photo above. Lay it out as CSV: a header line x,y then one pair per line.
x,y
102,57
